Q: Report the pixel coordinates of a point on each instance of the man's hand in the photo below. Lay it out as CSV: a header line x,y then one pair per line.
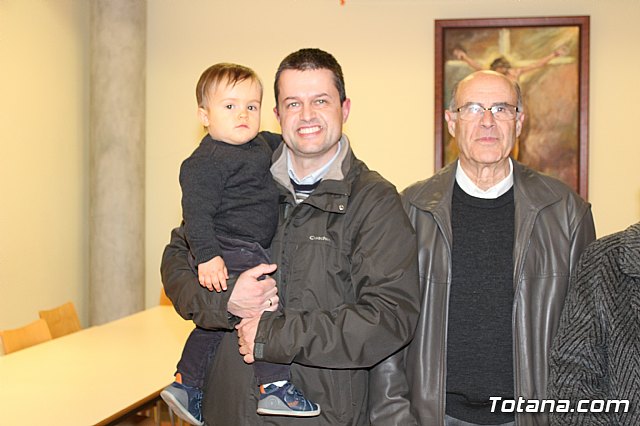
x,y
213,274
246,337
250,296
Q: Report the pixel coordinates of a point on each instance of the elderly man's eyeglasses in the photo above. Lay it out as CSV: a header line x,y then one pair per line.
x,y
502,112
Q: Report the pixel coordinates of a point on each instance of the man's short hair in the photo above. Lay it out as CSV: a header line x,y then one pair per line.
x,y
312,59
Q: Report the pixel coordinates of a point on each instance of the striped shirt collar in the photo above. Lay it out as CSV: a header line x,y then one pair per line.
x,y
280,167
316,176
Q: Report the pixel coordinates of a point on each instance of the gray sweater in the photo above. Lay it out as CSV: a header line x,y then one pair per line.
x,y
596,354
227,190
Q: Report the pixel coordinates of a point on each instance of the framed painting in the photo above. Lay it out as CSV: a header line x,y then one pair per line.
x,y
549,58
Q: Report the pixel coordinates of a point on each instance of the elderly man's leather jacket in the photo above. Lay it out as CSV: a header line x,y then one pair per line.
x,y
552,227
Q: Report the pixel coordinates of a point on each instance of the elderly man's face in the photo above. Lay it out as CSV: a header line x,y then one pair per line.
x,y
310,113
484,141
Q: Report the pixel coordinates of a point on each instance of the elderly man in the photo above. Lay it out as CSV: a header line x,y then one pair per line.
x,y
497,243
347,277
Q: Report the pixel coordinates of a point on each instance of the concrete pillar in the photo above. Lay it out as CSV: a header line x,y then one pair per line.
x,y
117,158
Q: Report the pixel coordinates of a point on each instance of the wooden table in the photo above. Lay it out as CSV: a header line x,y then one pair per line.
x,y
96,375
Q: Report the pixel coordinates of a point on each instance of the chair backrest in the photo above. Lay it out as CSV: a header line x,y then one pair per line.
x,y
62,320
23,337
164,300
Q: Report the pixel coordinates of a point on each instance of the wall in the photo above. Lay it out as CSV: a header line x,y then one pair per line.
x,y
43,134
386,50
385,47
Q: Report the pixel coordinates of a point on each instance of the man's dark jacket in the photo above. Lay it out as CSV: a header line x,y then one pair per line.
x,y
347,275
596,353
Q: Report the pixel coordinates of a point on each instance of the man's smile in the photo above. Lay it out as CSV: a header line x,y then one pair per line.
x,y
309,130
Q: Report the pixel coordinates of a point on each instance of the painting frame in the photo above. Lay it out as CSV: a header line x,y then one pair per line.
x,y
450,36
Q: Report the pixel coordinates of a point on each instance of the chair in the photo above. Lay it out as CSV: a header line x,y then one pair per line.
x,y
62,320
164,300
23,337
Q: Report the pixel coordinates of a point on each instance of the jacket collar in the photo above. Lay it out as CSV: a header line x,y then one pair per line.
x,y
529,189
332,194
338,169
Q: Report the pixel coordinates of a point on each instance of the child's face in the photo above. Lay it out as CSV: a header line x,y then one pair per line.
x,y
232,114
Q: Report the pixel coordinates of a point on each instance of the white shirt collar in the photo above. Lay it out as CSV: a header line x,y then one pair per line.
x,y
315,176
472,189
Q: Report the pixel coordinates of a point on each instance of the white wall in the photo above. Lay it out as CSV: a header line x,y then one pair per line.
x,y
386,49
384,46
43,179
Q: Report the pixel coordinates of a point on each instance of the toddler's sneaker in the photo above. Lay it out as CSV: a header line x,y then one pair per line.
x,y
185,401
286,400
